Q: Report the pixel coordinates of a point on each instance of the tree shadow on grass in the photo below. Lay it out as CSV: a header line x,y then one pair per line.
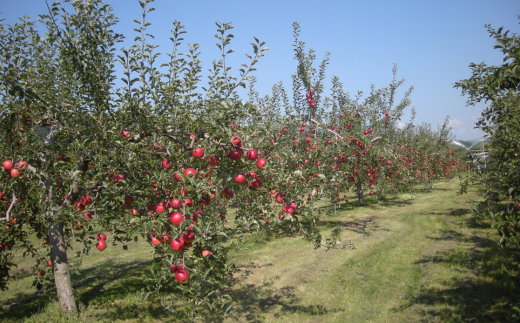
x,y
254,302
102,286
487,293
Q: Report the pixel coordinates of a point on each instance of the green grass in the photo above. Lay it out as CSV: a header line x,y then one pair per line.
x,y
415,259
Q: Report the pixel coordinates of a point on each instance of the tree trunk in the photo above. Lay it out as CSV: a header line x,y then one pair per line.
x,y
60,266
359,185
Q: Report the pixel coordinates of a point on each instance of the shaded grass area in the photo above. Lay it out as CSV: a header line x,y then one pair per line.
x,y
415,259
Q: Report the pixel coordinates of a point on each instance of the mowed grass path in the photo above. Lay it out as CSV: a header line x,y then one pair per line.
x,y
415,259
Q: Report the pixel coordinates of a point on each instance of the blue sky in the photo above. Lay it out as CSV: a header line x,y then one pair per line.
x,y
432,42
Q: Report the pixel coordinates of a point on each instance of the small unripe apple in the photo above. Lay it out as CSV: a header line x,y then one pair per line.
x,y
101,245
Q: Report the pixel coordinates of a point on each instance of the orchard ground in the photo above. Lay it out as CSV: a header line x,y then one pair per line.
x,y
412,259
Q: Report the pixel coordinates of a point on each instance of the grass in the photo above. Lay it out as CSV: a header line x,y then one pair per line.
x,y
415,259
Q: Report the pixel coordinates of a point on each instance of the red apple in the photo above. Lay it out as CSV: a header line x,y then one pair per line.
x,y
240,178
79,206
255,183
49,263
101,245
176,218
196,215
182,276
8,165
198,153
206,253
190,171
101,237
22,164
175,203
129,199
2,246
87,216
118,179
175,267
235,154
177,245
252,154
213,160
235,140
280,197
187,237
160,207
167,164
125,134
85,200
177,177
42,273
261,163
165,238
15,173
188,202
155,241
1,195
